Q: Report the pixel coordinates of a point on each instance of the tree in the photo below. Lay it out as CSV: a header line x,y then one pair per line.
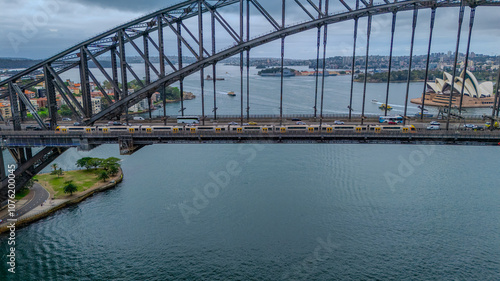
x,y
113,170
65,111
30,183
103,175
54,166
84,162
70,187
95,162
58,172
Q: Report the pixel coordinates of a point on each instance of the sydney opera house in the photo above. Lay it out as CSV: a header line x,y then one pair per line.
x,y
475,94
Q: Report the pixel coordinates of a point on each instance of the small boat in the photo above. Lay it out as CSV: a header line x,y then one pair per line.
x,y
210,78
374,101
232,94
384,106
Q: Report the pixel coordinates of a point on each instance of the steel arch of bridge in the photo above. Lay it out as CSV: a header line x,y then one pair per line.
x,y
115,41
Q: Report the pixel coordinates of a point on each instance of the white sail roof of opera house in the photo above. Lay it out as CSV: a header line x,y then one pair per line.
x,y
472,87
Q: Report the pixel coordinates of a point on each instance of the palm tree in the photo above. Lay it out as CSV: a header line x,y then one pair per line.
x,y
54,166
103,175
70,187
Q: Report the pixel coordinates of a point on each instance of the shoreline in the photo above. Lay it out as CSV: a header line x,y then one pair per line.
x,y
69,200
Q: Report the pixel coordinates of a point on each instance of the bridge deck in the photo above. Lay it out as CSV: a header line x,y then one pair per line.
x,y
87,141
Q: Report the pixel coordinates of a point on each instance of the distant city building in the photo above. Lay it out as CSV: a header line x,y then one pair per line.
x,y
41,93
96,105
5,110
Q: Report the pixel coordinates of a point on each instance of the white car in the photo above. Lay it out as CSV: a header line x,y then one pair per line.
x,y
435,123
300,123
337,122
433,127
470,126
232,123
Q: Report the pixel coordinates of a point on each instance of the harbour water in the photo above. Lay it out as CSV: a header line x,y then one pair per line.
x,y
276,212
298,94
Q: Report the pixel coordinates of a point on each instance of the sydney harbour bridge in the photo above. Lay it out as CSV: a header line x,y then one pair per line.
x,y
146,37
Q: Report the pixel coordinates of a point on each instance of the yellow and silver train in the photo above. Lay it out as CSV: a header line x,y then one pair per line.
x,y
236,129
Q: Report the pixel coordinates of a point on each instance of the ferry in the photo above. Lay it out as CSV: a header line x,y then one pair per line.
x,y
232,94
210,78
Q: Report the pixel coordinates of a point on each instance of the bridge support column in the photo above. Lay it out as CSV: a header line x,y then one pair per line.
x,y
460,21
123,68
433,17
414,26
356,19
179,56
318,44
325,41
51,97
369,30
466,64
214,67
16,118
390,61
84,76
22,108
114,70
127,146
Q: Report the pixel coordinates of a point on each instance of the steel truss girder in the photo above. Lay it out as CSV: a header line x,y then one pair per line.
x,y
330,19
103,71
51,97
190,12
304,9
165,58
179,36
268,17
61,84
223,22
146,60
111,33
28,104
16,118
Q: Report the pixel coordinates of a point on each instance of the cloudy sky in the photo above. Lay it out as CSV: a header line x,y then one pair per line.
x,y
41,28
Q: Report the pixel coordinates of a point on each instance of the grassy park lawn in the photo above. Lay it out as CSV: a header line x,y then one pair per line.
x,y
22,193
83,179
